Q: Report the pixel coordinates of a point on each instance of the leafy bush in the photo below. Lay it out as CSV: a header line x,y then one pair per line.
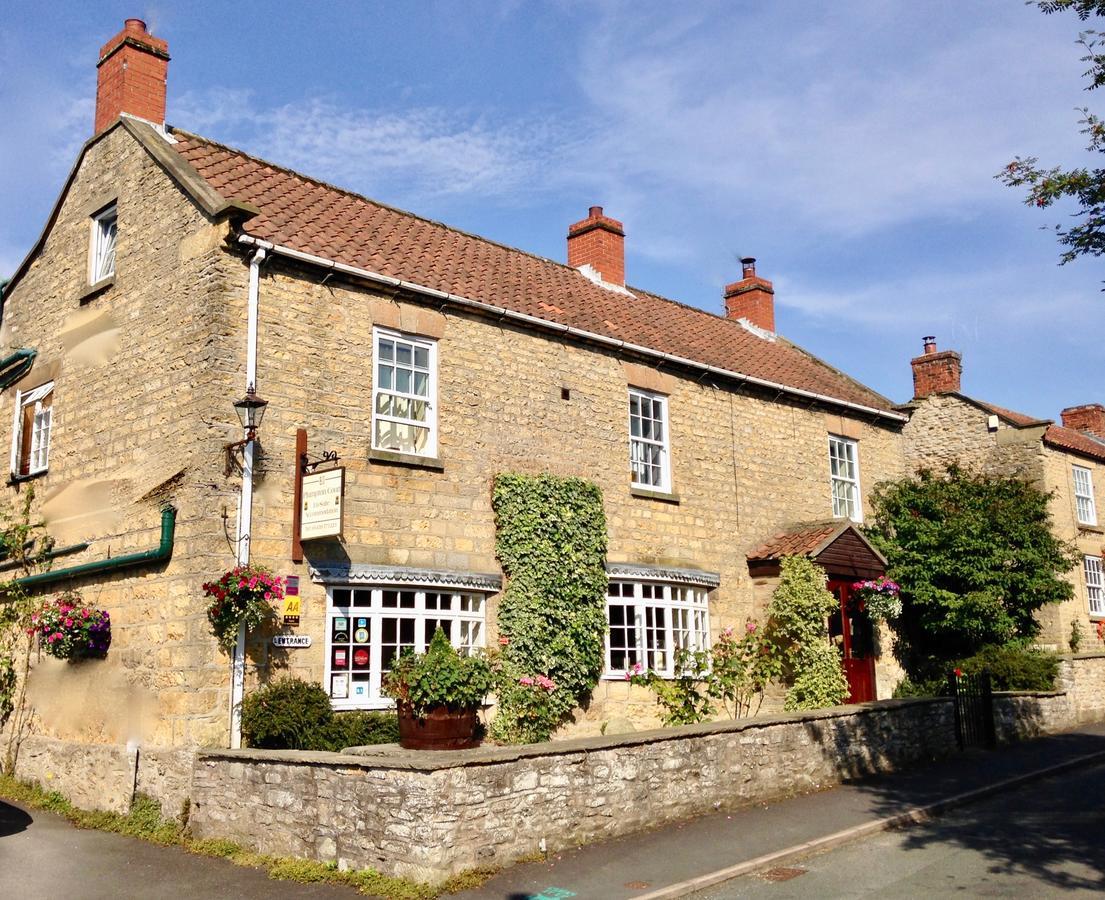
x,y
441,676
1012,667
811,665
975,557
551,541
733,671
292,714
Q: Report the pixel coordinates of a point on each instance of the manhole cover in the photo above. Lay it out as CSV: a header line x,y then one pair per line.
x,y
637,885
782,873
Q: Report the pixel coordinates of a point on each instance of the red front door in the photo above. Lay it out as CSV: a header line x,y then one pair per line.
x,y
852,633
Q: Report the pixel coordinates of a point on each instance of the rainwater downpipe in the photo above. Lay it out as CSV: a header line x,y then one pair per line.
x,y
245,501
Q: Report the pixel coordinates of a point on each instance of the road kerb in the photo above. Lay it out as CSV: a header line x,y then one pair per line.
x,y
827,842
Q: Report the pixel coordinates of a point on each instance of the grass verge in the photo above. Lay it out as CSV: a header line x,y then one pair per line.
x,y
144,821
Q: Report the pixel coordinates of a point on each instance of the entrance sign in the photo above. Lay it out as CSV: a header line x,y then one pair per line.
x,y
322,505
291,640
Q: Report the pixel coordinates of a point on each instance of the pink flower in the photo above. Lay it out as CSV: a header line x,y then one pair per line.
x,y
268,595
750,627
85,613
504,640
526,680
68,623
547,683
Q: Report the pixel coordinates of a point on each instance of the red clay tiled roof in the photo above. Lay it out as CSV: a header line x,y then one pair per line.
x,y
799,541
1068,439
1014,418
312,217
1056,435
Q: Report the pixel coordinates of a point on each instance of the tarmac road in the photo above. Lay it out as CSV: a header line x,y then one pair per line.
x,y
1044,840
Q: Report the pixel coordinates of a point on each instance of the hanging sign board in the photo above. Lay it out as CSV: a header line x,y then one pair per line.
x,y
322,505
291,640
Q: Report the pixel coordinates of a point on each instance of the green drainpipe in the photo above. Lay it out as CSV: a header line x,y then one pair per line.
x,y
15,366
162,553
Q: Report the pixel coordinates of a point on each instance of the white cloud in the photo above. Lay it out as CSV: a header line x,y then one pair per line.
x,y
414,152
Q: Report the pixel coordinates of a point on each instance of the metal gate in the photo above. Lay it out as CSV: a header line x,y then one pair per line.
x,y
974,710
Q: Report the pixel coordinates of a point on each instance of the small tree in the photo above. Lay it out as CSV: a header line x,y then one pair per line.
x,y
975,557
798,613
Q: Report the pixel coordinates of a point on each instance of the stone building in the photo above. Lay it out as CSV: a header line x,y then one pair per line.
x,y
1067,460
175,273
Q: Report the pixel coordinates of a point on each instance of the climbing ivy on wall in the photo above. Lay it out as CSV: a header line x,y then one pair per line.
x,y
551,541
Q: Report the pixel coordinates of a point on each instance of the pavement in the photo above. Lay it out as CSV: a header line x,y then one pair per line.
x,y
694,856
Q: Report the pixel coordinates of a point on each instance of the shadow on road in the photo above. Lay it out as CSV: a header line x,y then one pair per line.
x,y
12,820
1042,829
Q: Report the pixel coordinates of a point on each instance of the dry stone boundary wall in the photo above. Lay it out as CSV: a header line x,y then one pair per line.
x,y
428,815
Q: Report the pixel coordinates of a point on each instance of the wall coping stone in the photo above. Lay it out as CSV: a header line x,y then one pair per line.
x,y
373,757
1095,654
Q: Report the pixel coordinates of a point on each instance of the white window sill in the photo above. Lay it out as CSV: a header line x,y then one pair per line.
x,y
647,493
406,459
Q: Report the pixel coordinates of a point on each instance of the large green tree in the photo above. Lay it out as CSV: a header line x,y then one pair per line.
x,y
975,556
1084,185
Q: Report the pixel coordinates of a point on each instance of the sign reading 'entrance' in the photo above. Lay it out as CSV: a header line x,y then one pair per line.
x,y
322,504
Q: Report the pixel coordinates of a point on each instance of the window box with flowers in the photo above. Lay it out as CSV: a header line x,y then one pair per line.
x,y
70,629
243,596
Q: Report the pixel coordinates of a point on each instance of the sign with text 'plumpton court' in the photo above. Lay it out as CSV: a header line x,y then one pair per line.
x,y
323,504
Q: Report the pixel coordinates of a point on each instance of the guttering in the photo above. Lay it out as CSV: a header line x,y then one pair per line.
x,y
163,552
15,366
547,325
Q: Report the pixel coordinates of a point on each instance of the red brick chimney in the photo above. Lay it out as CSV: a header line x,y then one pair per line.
x,y
752,298
131,78
935,373
598,241
1090,417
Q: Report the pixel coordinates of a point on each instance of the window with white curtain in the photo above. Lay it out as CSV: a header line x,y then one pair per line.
x,y
649,443
1085,508
648,622
844,478
105,230
404,401
31,430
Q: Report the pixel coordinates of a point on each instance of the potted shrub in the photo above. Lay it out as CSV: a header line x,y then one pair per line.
x,y
438,695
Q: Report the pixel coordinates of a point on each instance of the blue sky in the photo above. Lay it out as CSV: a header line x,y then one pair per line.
x,y
849,146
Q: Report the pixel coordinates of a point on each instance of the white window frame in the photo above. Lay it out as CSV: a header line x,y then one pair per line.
x,y
469,630
676,615
1084,507
43,429
851,445
1094,572
428,344
659,401
105,239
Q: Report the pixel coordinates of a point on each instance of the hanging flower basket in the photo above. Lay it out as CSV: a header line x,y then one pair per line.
x,y
244,595
881,598
70,629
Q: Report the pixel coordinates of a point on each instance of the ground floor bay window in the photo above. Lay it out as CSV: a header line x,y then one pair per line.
x,y
650,620
369,625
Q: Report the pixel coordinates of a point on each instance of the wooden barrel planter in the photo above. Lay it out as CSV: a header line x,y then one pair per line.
x,y
439,728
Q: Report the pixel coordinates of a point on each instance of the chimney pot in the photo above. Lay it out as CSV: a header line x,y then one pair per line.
x,y
752,298
936,372
131,76
599,242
